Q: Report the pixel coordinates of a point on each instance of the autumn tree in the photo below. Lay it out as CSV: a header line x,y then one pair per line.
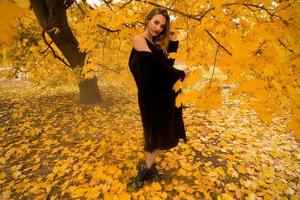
x,y
253,43
52,17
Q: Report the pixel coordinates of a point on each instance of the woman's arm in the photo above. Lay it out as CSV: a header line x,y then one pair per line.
x,y
173,43
173,46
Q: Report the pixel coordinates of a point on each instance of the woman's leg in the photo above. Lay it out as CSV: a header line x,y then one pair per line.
x,y
145,168
151,157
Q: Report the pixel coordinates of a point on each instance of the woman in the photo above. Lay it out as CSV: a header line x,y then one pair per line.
x,y
155,76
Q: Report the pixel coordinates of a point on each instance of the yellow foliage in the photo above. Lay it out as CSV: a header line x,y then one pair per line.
x,y
294,123
177,86
209,97
8,13
98,164
263,77
225,196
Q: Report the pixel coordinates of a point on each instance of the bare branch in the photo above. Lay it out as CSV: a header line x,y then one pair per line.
x,y
284,45
125,4
46,50
217,42
53,51
215,59
107,29
107,2
259,8
109,69
89,6
253,11
205,12
133,25
37,63
82,11
21,24
30,18
172,4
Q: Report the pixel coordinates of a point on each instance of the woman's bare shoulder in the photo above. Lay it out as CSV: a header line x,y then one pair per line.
x,y
140,43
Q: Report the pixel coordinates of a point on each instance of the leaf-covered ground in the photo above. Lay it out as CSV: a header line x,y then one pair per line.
x,y
54,148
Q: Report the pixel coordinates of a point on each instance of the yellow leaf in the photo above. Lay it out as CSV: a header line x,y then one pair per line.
x,y
36,166
156,186
89,75
294,124
178,85
242,169
231,187
218,5
124,196
8,12
225,196
109,196
2,175
93,193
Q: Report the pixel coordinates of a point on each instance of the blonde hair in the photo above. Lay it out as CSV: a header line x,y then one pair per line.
x,y
163,38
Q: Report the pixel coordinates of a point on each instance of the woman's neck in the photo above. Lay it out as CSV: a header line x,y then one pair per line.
x,y
148,35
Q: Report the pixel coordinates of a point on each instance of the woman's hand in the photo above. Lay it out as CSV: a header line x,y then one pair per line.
x,y
187,71
173,35
178,35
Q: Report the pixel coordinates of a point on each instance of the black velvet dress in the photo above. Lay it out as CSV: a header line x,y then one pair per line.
x,y
155,75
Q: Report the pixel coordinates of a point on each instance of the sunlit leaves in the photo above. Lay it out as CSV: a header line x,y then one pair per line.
x,y
90,152
65,149
8,14
88,71
261,45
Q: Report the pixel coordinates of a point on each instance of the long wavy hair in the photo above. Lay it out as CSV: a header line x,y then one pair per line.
x,y
163,38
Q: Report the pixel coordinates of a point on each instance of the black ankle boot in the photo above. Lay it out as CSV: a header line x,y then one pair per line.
x,y
138,181
153,174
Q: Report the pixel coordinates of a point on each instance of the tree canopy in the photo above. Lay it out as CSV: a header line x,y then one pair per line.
x,y
250,46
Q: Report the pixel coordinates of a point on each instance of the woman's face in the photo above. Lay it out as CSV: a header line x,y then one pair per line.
x,y
156,24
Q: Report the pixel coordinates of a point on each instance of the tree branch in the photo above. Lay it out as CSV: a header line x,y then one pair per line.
x,y
195,17
33,66
219,44
284,45
107,29
89,6
260,7
21,24
215,59
82,11
125,4
172,4
53,51
107,2
109,69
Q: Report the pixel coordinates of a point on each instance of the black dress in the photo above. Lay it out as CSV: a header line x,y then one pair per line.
x,y
155,75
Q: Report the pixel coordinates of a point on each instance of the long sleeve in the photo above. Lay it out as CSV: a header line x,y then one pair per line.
x,y
178,74
156,74
173,46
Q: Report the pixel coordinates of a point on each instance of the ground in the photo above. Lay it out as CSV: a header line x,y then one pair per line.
x,y
54,148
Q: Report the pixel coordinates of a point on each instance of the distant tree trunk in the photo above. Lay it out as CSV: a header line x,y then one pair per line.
x,y
52,16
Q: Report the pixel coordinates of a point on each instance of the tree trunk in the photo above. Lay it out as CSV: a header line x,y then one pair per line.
x,y
52,16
